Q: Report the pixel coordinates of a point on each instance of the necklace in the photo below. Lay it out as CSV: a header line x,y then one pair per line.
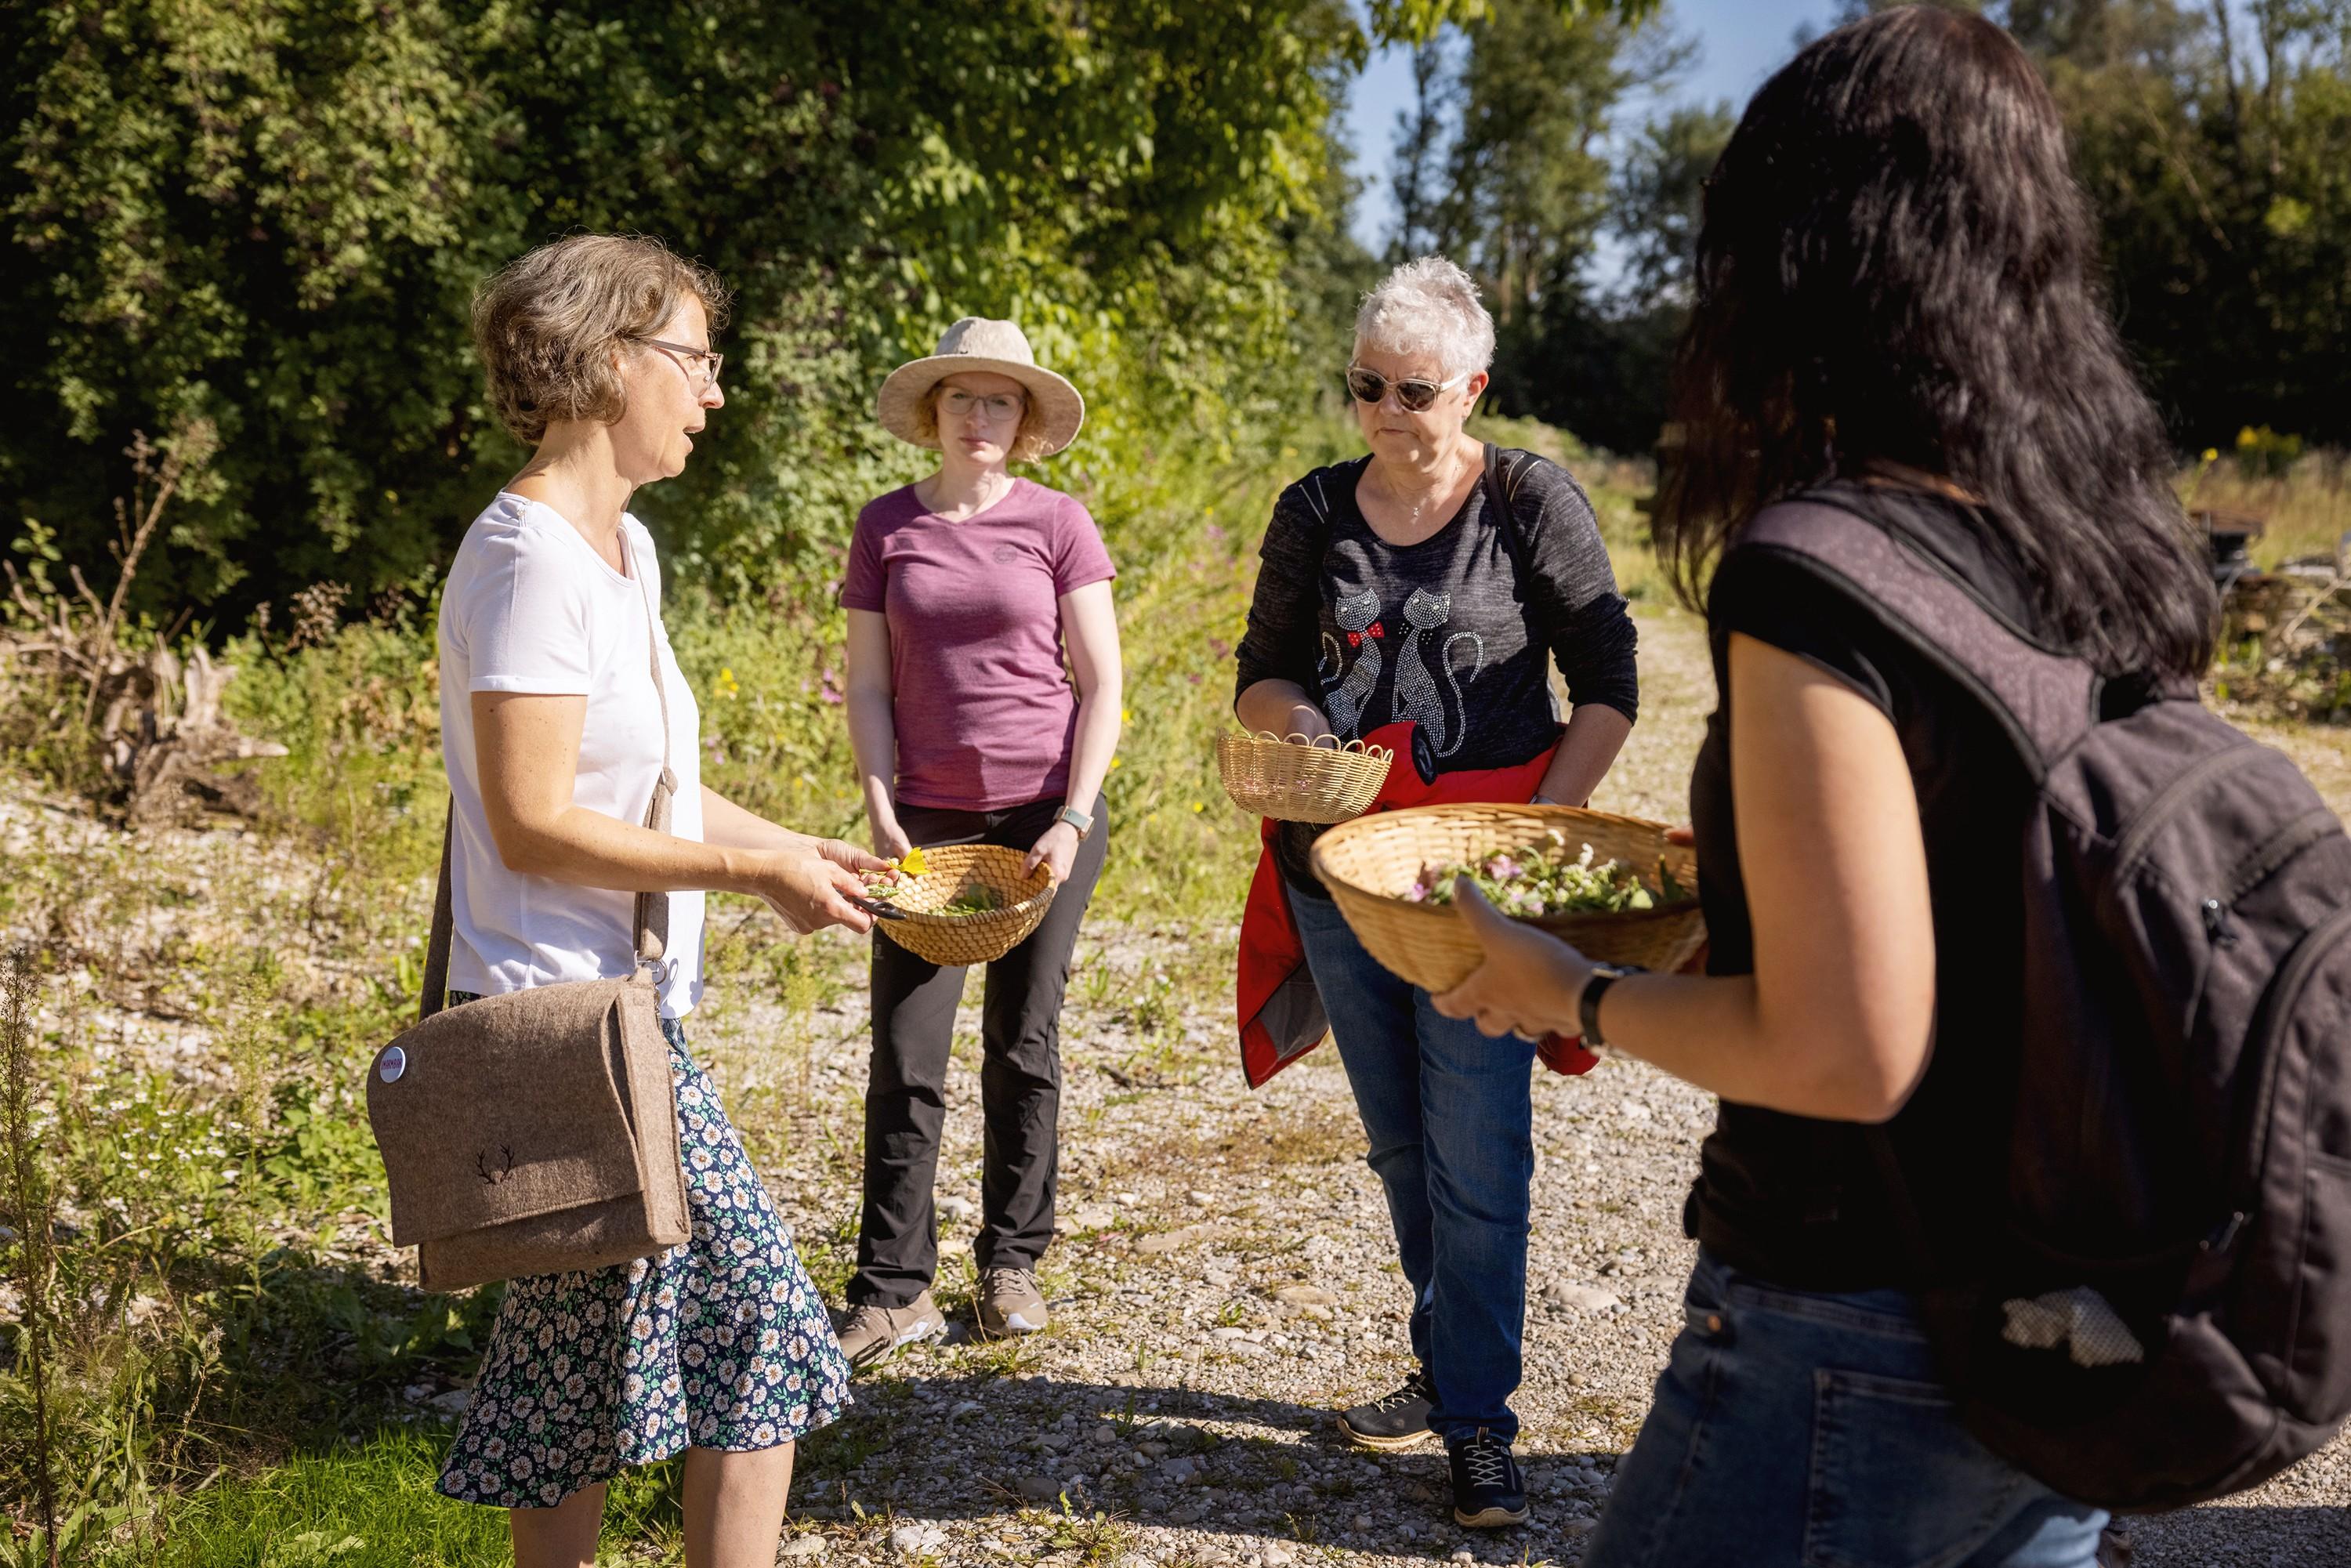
x,y
1416,503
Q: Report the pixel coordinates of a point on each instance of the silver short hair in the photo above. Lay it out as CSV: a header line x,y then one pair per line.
x,y
1429,306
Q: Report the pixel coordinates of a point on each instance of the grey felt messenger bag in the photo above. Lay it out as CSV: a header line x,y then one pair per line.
x,y
535,1132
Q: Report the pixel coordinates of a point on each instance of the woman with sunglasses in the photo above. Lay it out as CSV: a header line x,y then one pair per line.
x,y
983,692
1418,596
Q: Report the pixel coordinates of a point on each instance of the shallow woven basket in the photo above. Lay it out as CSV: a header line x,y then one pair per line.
x,y
956,939
1294,781
1368,864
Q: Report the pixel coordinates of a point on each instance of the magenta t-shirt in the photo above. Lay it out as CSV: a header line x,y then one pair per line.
x,y
985,712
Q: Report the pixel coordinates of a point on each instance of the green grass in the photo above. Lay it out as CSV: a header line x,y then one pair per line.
x,y
372,1505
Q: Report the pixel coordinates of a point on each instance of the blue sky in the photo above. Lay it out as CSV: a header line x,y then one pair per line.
x,y
1742,42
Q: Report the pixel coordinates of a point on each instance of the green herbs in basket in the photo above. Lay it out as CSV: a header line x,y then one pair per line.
x,y
1547,879
976,898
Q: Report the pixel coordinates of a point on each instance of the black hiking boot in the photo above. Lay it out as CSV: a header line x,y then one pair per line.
x,y
1392,1421
1488,1491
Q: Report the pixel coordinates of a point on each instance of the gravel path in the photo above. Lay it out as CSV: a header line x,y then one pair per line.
x,y
1225,1280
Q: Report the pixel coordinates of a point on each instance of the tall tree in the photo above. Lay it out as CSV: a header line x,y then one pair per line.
x,y
2210,138
1526,185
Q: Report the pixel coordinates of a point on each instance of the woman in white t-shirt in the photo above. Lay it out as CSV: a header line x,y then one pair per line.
x,y
597,353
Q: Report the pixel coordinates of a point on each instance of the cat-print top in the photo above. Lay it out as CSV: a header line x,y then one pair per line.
x,y
1446,632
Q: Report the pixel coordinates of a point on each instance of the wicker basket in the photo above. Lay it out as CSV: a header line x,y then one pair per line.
x,y
1368,864
1296,781
956,939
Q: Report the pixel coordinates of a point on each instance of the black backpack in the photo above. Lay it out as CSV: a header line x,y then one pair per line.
x,y
2163,1314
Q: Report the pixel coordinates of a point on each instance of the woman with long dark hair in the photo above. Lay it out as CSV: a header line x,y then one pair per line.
x,y
1896,318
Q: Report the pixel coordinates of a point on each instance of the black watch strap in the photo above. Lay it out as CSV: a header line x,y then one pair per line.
x,y
1595,988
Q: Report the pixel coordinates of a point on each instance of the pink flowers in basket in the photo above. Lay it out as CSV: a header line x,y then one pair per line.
x,y
1544,879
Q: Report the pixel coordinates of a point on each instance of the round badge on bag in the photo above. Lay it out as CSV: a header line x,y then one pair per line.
x,y
392,1065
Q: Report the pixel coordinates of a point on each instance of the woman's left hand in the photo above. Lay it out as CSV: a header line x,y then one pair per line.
x,y
1531,983
1058,849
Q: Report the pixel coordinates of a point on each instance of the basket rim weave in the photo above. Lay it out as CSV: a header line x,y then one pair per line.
x,y
1379,821
1431,944
1358,746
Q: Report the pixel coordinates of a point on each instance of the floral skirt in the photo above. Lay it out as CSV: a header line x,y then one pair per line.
x,y
720,1342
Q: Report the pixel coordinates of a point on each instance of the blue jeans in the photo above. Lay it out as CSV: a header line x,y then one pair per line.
x,y
1449,1114
1804,1429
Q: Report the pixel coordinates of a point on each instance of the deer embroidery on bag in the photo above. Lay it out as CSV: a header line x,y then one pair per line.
x,y
494,1172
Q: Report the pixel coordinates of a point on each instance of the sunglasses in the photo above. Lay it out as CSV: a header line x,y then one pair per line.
x,y
1416,396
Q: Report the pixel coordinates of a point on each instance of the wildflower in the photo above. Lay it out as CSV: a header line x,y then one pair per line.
x,y
2211,454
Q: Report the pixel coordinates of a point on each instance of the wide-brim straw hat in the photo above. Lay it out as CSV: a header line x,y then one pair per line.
x,y
977,344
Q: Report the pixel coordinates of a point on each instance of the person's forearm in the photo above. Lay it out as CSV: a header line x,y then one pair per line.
x,y
730,826
1280,708
1595,734
589,848
874,742
1095,744
1712,1031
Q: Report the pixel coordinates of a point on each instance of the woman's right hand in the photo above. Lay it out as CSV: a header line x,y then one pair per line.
x,y
811,892
1306,719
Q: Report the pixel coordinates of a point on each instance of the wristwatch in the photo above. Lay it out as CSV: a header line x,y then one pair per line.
x,y
1595,988
1077,819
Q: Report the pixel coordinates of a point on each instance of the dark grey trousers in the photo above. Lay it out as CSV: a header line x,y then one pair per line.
x,y
1020,1077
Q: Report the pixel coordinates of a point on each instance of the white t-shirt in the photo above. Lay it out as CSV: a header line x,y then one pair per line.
x,y
531,607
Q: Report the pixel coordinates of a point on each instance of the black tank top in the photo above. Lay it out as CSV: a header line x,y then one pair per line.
x,y
1805,1202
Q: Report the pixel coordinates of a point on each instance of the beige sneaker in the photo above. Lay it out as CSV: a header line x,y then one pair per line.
x,y
1010,1302
870,1334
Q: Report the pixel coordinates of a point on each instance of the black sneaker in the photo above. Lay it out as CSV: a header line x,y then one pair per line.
x,y
1488,1491
1398,1420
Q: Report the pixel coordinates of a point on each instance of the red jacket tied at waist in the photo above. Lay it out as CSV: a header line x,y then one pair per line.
x,y
1281,1016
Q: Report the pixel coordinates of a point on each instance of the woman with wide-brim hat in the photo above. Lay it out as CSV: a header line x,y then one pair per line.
x,y
983,692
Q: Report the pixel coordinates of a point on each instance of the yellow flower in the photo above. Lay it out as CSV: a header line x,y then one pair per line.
x,y
2211,454
1113,762
910,862
1199,805
1124,716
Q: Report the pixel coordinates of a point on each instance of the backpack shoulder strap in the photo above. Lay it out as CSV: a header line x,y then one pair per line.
x,y
2045,700
1501,488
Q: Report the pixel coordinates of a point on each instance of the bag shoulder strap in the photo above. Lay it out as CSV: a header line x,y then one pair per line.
x,y
444,926
2047,700
649,932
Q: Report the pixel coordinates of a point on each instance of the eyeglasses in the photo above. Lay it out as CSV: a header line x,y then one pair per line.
x,y
1417,396
705,373
998,406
